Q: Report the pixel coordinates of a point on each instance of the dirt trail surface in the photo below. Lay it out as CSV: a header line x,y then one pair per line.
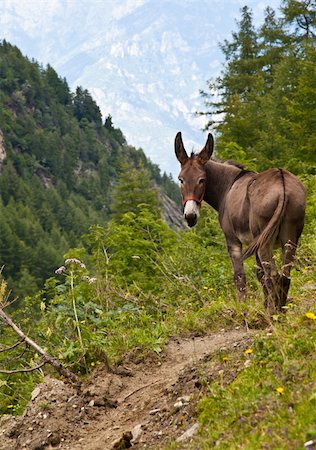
x,y
144,405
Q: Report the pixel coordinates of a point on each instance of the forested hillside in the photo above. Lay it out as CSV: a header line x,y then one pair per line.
x,y
58,164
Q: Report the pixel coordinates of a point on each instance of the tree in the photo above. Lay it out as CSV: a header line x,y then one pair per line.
x,y
134,189
267,92
236,112
108,124
86,108
273,44
301,14
58,86
135,246
241,55
288,135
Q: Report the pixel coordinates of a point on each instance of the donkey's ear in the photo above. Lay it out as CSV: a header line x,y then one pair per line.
x,y
207,151
181,154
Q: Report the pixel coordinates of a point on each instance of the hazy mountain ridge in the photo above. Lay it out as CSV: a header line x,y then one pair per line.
x,y
119,62
143,61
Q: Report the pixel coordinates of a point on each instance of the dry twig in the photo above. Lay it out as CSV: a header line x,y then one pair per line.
x,y
46,357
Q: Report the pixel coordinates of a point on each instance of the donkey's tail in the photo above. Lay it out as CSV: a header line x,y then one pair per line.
x,y
271,228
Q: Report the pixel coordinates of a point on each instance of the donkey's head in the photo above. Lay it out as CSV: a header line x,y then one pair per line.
x,y
192,177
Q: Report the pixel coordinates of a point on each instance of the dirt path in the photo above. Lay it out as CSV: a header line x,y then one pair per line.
x,y
144,407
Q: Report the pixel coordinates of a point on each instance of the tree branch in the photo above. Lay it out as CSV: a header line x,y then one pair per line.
x,y
46,357
12,346
23,370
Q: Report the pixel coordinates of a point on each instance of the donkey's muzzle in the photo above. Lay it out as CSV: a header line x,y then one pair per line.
x,y
191,219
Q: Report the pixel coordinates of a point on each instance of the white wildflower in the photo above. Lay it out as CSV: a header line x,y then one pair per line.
x,y
75,261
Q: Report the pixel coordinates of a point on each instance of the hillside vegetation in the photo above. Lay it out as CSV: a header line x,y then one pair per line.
x,y
58,165
130,285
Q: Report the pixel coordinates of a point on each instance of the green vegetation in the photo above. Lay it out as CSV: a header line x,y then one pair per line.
x,y
267,91
132,282
59,171
271,402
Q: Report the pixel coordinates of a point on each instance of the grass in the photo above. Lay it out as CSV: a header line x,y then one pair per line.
x,y
271,403
264,397
244,408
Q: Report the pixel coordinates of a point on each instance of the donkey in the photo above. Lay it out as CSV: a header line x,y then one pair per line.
x,y
261,210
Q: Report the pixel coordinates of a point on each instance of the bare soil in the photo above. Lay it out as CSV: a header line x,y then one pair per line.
x,y
144,405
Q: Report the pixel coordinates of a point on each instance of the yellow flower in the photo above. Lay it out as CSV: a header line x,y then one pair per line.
x,y
248,351
225,358
49,332
3,287
42,306
310,315
280,390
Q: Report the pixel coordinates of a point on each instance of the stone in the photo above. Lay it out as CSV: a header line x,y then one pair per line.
x,y
188,433
35,393
136,433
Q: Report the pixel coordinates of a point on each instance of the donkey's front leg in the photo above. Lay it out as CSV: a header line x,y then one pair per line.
x,y
235,253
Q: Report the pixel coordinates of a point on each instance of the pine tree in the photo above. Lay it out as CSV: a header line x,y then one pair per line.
x,y
59,87
273,45
267,92
241,55
240,82
301,14
86,108
133,190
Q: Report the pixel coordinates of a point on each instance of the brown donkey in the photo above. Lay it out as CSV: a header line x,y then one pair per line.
x,y
262,210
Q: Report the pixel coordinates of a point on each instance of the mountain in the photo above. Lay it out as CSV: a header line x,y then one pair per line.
x,y
59,163
143,61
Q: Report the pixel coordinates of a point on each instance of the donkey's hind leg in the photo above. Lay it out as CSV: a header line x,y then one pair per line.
x,y
260,276
288,255
269,277
235,253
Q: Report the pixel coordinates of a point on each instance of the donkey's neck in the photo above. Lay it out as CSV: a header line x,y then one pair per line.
x,y
219,179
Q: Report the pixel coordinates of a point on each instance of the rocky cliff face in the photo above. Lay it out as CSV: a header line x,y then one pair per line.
x,y
3,152
171,212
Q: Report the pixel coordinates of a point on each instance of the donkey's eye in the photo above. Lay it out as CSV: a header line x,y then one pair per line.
x,y
201,180
181,180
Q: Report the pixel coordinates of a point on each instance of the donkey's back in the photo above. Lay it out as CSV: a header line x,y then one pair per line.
x,y
276,201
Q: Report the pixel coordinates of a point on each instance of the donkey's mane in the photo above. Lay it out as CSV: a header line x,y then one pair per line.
x,y
229,162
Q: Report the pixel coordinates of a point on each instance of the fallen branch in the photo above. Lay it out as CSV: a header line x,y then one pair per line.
x,y
23,370
12,346
46,357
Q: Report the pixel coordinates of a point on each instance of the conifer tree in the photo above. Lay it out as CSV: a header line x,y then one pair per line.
x,y
134,189
241,55
238,88
273,44
267,90
301,14
86,108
